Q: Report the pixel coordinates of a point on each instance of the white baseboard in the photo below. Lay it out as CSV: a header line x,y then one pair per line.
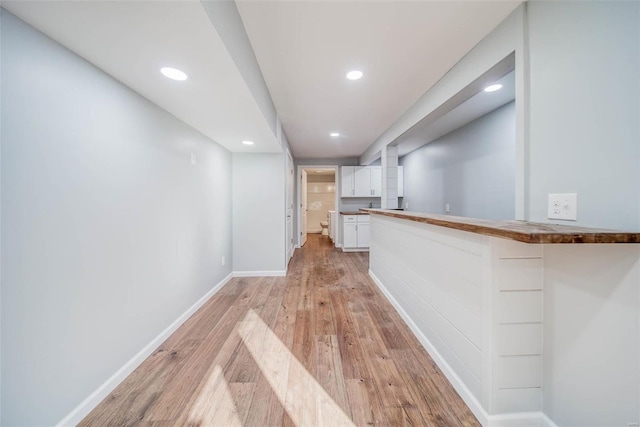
x,y
83,409
273,273
546,421
520,419
355,249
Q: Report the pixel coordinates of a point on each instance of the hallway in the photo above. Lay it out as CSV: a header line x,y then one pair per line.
x,y
321,346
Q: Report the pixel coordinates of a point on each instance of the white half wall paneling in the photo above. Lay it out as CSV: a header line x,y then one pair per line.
x,y
461,293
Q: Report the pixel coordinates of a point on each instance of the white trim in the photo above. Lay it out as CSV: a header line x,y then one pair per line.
x,y
273,273
518,419
354,249
82,410
546,421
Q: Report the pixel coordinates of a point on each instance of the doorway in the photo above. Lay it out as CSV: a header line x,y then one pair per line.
x,y
317,198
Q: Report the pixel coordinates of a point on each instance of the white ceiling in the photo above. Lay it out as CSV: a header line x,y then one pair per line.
x,y
132,40
305,48
320,171
475,107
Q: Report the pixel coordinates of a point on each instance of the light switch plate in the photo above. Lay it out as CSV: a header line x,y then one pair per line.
x,y
563,206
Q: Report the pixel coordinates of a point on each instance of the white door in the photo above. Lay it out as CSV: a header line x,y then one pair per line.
x,y
363,181
376,181
303,207
363,235
350,238
347,178
290,181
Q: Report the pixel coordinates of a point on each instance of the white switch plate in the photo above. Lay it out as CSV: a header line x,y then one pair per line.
x,y
563,206
447,208
193,158
222,261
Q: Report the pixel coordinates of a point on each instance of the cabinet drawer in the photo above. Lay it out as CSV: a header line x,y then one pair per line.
x,y
363,218
349,218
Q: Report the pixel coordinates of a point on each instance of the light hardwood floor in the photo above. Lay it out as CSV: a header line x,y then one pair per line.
x,y
320,347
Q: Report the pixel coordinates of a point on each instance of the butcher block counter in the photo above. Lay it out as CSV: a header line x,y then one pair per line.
x,y
521,231
504,307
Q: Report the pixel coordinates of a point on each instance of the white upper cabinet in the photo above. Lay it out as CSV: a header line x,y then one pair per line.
x,y
376,181
348,181
361,181
366,181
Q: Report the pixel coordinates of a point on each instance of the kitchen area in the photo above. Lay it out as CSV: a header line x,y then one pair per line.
x,y
358,184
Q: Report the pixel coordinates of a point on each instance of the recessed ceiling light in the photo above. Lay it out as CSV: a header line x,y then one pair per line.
x,y
493,88
173,73
318,171
334,134
354,75
247,142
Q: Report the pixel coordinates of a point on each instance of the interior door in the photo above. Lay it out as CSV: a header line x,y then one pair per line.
x,y
303,207
363,181
376,181
290,181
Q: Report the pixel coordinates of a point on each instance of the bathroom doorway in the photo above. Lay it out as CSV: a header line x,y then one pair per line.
x,y
317,201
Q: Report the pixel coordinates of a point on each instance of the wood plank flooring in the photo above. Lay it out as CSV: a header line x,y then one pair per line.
x,y
320,347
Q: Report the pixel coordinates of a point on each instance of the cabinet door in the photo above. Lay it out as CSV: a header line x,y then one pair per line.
x,y
363,235
400,181
376,181
347,179
363,181
350,235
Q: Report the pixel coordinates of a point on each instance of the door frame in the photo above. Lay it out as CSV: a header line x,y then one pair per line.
x,y
290,193
338,184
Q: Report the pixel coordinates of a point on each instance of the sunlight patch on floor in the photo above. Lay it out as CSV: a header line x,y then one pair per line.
x,y
215,406
305,401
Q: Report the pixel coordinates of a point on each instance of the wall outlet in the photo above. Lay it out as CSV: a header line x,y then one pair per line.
x,y
406,206
193,159
563,206
222,261
447,208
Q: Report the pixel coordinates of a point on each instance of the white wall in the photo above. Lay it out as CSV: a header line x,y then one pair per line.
x,y
585,105
592,335
109,233
500,43
321,198
259,233
225,17
472,169
585,133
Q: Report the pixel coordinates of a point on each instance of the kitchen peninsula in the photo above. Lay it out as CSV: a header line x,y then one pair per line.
x,y
514,312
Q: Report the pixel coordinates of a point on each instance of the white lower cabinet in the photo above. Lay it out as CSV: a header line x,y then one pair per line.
x,y
355,234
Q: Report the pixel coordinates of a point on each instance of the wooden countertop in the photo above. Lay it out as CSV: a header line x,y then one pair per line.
x,y
353,213
521,231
